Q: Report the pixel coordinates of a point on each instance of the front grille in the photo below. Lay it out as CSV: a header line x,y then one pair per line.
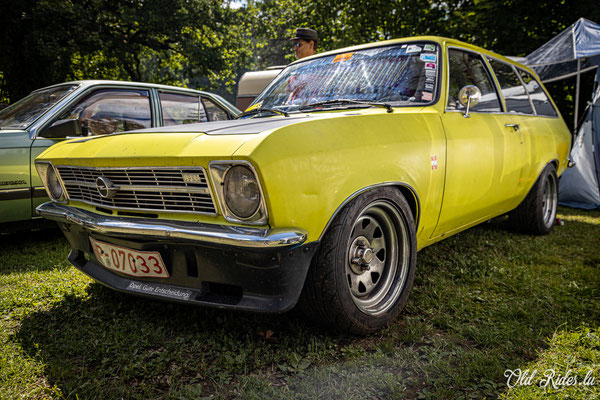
x,y
145,189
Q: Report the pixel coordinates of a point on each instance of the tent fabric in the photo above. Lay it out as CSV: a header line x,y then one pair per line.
x,y
579,186
559,57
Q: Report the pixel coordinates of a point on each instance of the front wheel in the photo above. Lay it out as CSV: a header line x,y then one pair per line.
x,y
537,213
364,270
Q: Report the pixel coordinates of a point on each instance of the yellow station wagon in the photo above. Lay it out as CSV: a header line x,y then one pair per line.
x,y
322,193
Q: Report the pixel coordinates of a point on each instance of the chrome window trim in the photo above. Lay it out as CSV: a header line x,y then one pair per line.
x,y
261,216
148,189
489,73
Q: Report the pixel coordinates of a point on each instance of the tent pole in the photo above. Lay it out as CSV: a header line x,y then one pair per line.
x,y
576,113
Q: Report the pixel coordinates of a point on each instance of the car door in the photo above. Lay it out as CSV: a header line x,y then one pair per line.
x,y
481,174
101,111
520,116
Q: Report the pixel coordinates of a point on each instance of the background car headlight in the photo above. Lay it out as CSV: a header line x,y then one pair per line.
x,y
241,191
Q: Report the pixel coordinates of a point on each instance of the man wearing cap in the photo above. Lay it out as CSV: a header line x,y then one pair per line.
x,y
305,42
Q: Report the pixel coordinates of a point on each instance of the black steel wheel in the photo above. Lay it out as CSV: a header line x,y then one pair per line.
x,y
364,270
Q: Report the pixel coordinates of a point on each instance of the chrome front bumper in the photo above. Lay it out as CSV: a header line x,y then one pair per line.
x,y
161,229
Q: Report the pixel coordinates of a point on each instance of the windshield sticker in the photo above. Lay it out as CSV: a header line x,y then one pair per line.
x,y
430,79
430,66
413,49
429,47
428,57
430,73
426,96
428,86
343,57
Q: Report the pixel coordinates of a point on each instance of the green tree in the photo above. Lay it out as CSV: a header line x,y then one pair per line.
x,y
183,42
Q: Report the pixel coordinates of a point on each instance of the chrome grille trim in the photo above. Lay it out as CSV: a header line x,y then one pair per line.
x,y
162,189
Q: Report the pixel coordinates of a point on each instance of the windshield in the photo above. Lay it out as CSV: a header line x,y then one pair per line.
x,y
25,111
401,75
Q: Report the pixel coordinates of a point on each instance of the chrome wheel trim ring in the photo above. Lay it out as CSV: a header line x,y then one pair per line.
x,y
384,277
550,200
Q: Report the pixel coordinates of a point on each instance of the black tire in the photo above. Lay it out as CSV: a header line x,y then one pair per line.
x,y
537,213
362,274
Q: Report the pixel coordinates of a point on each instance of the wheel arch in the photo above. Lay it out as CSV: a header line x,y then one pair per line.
x,y
405,189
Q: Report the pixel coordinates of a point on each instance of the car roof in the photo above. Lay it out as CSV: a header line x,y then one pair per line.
x,y
90,82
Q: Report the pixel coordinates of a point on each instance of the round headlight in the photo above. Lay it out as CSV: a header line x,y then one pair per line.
x,y
241,191
54,186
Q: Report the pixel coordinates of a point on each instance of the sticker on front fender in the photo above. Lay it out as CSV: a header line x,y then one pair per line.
x,y
130,262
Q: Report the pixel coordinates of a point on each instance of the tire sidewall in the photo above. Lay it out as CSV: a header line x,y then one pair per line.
x,y
356,316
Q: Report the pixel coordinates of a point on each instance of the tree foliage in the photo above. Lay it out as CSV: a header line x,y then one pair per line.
x,y
181,42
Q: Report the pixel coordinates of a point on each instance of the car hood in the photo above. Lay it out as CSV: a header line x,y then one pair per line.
x,y
185,144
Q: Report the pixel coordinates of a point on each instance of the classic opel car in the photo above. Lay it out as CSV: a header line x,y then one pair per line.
x,y
322,193
85,108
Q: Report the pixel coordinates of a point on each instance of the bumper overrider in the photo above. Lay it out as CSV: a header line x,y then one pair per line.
x,y
215,265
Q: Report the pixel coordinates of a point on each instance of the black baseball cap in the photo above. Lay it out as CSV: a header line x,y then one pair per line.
x,y
306,34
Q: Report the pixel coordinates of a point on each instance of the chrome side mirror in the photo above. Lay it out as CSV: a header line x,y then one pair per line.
x,y
469,96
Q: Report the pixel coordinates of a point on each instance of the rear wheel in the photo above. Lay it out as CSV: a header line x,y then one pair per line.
x,y
362,275
537,213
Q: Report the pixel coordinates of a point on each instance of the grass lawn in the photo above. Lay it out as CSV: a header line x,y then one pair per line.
x,y
485,302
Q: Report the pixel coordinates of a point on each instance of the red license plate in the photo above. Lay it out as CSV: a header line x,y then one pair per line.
x,y
130,262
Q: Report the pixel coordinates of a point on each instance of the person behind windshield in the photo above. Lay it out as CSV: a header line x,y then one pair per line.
x,y
305,42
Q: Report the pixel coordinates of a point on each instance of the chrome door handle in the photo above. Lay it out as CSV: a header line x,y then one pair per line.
x,y
514,126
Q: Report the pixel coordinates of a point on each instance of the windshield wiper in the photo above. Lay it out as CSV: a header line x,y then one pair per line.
x,y
259,110
387,106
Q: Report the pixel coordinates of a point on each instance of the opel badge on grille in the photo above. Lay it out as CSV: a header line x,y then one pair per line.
x,y
105,187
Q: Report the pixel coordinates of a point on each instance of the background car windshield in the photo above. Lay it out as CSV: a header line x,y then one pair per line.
x,y
25,111
404,73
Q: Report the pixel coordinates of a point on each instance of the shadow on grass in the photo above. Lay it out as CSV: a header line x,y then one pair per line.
x,y
112,345
38,249
484,301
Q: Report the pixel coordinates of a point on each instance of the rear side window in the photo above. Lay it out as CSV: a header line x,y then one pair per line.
x,y
541,102
178,109
513,91
469,69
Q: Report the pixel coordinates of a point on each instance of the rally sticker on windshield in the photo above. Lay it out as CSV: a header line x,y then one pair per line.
x,y
428,57
343,57
413,49
429,47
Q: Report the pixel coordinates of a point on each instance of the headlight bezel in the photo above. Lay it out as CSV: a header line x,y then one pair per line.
x,y
46,171
218,172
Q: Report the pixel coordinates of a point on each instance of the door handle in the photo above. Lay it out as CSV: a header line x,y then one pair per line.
x,y
514,126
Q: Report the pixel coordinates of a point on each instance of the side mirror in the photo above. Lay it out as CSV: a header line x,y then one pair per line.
x,y
62,128
469,96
